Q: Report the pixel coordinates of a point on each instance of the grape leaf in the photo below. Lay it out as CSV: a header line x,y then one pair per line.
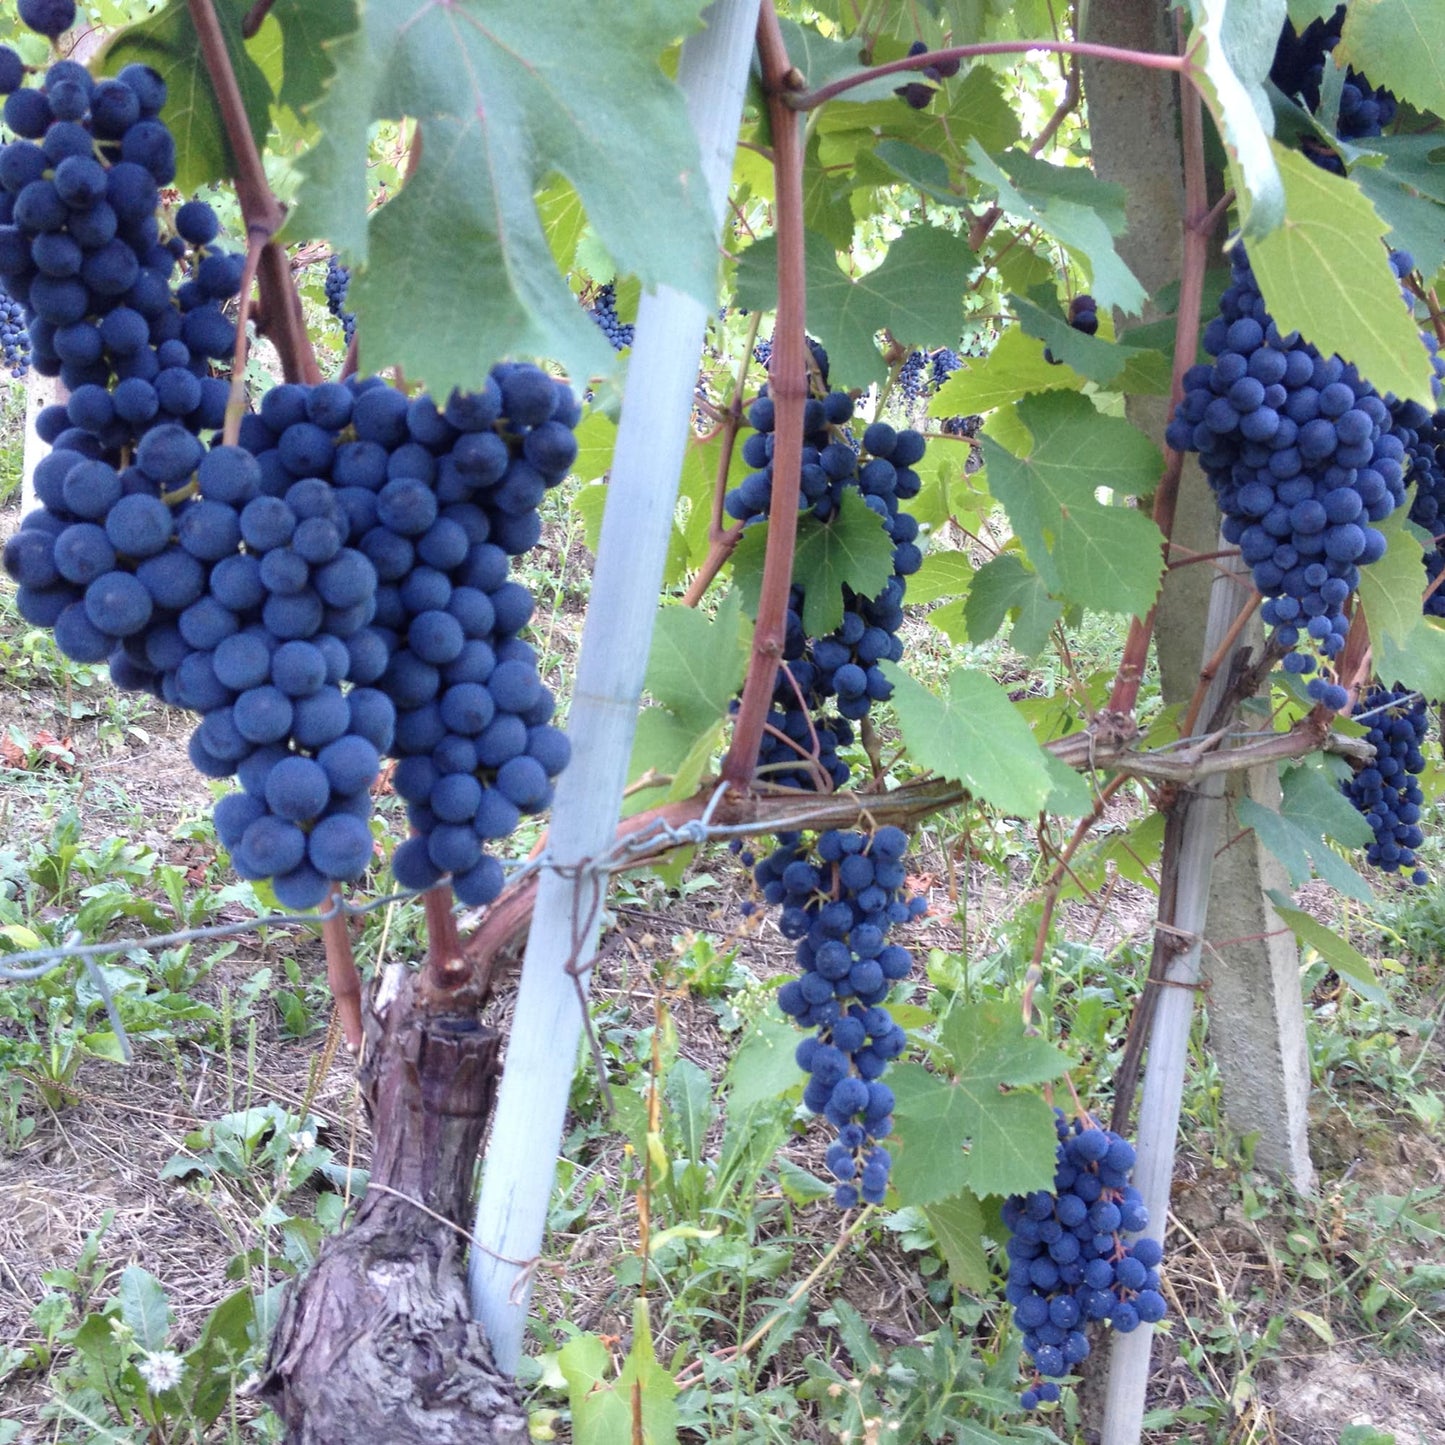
x,y
1092,357
167,42
1002,588
943,574
697,663
310,28
957,1225
916,294
1325,274
973,735
1071,205
1107,558
1014,367
822,60
1312,810
1233,50
958,1129
1400,46
1417,223
1391,588
1418,663
1343,957
852,550
455,271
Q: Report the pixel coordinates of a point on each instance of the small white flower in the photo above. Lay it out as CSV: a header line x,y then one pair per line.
x,y
303,1141
161,1370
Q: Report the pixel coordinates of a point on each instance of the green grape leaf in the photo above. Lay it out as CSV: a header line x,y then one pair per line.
x,y
926,172
1344,958
1416,222
957,1225
1233,50
167,42
1417,663
943,574
916,294
852,550
1072,205
1014,367
697,663
974,1125
1005,588
1325,274
1312,811
1098,360
1391,589
310,28
455,271
973,735
822,60
1400,45
1102,557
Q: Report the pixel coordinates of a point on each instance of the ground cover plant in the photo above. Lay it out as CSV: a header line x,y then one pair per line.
x,y
774,1012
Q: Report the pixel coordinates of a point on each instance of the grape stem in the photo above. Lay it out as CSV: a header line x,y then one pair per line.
x,y
1148,59
236,400
281,314
255,17
788,373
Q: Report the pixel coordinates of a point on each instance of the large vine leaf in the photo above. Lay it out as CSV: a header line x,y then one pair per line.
x,y
916,294
1233,49
1072,205
1338,952
167,42
1312,811
1325,274
1108,558
1005,588
310,28
975,1125
455,272
851,550
973,735
1013,368
1399,44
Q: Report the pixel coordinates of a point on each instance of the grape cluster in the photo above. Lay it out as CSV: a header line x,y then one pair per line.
x,y
942,364
1423,434
1386,791
338,282
840,897
91,254
1299,451
330,591
1068,1265
604,312
913,377
841,668
14,339
1083,316
1299,68
915,93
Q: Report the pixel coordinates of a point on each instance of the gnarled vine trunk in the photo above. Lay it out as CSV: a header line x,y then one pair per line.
x,y
376,1343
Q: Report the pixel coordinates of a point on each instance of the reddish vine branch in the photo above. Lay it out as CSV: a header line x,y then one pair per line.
x,y
788,373
281,316
1148,59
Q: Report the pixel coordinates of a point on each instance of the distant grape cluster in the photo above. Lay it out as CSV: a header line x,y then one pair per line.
x,y
1385,791
1068,1264
913,377
14,339
1299,450
840,897
915,93
337,283
603,311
